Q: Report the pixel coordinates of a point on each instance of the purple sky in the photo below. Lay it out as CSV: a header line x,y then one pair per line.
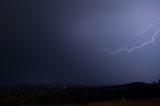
x,y
62,41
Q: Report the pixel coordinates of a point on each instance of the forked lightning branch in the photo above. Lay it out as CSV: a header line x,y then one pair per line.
x,y
153,38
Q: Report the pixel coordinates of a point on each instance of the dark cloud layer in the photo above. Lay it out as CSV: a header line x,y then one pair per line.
x,y
62,41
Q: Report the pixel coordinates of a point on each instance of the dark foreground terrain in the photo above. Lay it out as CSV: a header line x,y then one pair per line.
x,y
139,94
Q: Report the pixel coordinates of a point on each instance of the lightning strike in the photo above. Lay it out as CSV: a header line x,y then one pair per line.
x,y
135,36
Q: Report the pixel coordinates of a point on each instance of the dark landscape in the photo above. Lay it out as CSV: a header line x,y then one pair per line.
x,y
65,95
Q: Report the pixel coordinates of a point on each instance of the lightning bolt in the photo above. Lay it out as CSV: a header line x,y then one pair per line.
x,y
135,36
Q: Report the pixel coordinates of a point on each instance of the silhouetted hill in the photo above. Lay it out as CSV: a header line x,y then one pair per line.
x,y
50,94
136,84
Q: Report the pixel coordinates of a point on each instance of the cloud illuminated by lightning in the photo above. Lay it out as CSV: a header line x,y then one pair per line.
x,y
135,36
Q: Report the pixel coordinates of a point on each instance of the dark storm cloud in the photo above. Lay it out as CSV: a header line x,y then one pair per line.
x,y
61,41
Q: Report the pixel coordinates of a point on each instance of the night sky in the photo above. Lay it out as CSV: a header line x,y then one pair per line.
x,y
63,41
